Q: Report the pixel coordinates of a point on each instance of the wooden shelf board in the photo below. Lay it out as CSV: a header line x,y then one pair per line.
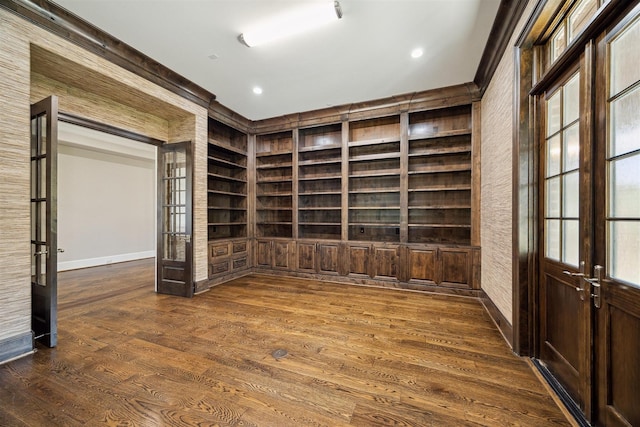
x,y
226,178
375,224
226,223
439,207
374,141
274,223
322,178
368,208
370,157
440,152
227,193
319,162
319,148
393,172
228,147
272,180
273,153
456,132
288,194
224,208
286,165
440,188
326,224
320,208
442,169
226,162
439,225
375,191
320,193
277,208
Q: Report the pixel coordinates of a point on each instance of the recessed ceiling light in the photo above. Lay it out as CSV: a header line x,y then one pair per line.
x,y
417,52
257,90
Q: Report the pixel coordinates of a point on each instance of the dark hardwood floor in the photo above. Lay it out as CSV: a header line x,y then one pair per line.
x,y
356,356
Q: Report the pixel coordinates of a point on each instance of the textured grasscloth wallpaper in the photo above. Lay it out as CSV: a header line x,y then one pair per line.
x,y
18,87
496,210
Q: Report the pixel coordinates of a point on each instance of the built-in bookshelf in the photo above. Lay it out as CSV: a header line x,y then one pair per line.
x,y
274,185
226,182
439,173
320,182
374,179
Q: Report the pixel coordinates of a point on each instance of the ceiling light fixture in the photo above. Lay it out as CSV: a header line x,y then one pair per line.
x,y
294,22
257,90
417,52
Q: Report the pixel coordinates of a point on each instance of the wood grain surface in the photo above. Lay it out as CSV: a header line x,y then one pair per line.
x,y
356,356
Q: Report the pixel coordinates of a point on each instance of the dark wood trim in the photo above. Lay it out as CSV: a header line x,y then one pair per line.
x,y
509,13
450,96
16,346
561,393
596,25
102,127
498,318
229,117
72,28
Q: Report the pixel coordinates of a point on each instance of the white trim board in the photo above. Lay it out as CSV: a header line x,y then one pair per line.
x,y
105,260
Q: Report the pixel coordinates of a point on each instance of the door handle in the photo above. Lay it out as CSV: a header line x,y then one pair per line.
x,y
581,274
60,250
596,285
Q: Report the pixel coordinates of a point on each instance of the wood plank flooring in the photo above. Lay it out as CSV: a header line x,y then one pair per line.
x,y
356,357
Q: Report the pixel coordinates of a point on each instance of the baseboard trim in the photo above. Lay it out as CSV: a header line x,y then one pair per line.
x,y
17,346
561,394
501,322
104,260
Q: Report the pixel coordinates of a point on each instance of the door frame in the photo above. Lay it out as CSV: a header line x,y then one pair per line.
x,y
526,247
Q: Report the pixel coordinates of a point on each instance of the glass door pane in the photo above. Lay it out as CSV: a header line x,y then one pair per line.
x,y
562,151
623,157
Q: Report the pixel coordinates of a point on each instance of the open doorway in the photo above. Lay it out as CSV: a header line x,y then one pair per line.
x,y
106,198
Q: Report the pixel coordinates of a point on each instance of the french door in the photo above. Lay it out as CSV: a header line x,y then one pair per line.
x,y
174,255
43,199
589,192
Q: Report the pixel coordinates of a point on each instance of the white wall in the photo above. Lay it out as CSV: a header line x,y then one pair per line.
x,y
106,198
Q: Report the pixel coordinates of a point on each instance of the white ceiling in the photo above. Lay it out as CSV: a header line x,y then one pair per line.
x,y
364,56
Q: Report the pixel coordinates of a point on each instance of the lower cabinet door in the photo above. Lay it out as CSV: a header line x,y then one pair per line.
x,y
282,255
263,253
328,258
385,262
455,264
423,264
306,253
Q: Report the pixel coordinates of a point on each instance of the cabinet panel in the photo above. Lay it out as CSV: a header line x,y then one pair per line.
x,y
218,250
328,256
422,264
358,259
282,255
455,266
239,247
263,253
220,267
385,262
240,263
307,256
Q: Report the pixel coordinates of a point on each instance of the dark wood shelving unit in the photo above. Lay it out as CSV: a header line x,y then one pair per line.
x,y
274,185
439,174
374,180
226,182
320,182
